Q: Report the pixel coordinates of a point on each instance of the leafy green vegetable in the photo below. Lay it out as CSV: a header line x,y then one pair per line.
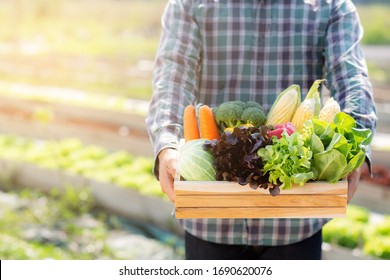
x,y
195,163
316,144
344,122
344,146
287,160
339,143
329,165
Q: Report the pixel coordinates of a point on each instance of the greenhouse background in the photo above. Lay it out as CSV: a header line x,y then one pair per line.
x,y
76,176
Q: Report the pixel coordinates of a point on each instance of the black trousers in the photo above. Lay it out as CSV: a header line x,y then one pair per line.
x,y
198,249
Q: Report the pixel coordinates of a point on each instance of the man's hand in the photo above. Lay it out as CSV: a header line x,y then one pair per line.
x,y
353,181
167,169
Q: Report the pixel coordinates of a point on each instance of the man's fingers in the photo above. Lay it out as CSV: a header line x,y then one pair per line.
x,y
166,183
167,171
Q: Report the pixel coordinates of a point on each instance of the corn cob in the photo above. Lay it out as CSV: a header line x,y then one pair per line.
x,y
284,106
309,108
313,93
304,112
329,111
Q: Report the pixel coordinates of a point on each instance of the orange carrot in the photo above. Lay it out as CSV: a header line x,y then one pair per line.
x,y
208,126
190,124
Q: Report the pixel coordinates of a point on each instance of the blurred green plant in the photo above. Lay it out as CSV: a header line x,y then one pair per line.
x,y
58,43
356,231
376,23
71,156
48,225
379,74
14,248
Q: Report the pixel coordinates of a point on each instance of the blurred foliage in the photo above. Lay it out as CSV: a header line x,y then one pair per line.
x,y
84,27
356,231
376,23
52,226
101,46
379,73
71,156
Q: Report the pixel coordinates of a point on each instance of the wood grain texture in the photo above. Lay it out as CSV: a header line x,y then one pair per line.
x,y
260,201
261,212
230,200
219,187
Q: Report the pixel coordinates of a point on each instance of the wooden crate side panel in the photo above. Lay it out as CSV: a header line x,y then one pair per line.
x,y
218,187
260,200
265,212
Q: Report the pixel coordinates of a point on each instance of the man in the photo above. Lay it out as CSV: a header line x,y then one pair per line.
x,y
213,51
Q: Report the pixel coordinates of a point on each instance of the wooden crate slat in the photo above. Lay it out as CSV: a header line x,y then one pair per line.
x,y
260,201
218,187
263,212
216,199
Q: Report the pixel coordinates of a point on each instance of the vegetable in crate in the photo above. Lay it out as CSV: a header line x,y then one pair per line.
x,y
208,126
232,114
199,122
280,128
190,123
329,111
195,163
287,161
310,107
338,148
235,156
285,105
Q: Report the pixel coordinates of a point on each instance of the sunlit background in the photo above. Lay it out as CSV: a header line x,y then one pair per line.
x,y
76,176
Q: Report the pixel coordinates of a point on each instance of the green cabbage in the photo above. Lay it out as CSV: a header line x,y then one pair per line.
x,y
195,163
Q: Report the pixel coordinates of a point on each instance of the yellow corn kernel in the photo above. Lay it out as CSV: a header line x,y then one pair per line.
x,y
284,106
329,111
305,112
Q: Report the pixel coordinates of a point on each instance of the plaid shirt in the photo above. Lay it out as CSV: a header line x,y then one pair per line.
x,y
213,51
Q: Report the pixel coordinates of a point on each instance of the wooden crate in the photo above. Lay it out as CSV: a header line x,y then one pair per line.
x,y
231,200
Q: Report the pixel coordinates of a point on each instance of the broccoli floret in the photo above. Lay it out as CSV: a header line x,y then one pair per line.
x,y
254,116
236,113
253,104
228,114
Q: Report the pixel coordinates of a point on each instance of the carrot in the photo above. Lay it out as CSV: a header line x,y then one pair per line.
x,y
208,126
190,124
